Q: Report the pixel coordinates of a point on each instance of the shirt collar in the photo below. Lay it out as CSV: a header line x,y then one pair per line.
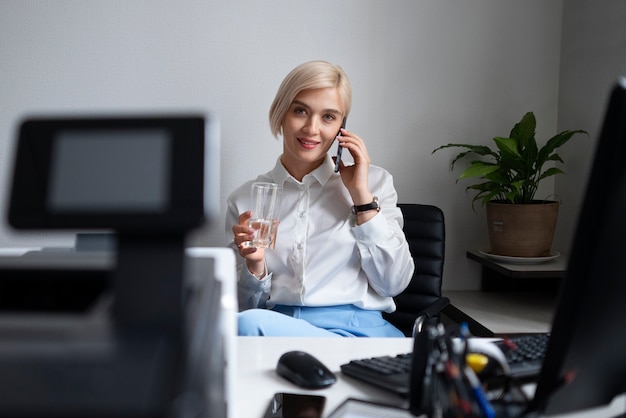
x,y
321,174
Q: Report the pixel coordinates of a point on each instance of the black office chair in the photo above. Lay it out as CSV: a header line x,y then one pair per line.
x,y
422,301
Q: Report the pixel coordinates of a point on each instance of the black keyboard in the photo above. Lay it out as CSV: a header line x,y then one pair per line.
x,y
390,373
524,353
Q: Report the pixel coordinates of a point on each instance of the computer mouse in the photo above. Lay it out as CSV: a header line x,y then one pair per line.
x,y
304,370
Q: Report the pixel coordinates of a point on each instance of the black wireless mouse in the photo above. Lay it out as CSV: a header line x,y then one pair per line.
x,y
304,370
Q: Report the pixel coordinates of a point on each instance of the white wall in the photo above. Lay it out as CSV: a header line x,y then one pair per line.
x,y
424,73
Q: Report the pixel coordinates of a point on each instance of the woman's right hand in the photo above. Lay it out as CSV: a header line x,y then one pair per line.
x,y
255,257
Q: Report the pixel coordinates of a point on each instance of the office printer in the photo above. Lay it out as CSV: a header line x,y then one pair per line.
x,y
141,331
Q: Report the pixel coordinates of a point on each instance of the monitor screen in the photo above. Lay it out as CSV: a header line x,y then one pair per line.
x,y
585,363
125,173
88,169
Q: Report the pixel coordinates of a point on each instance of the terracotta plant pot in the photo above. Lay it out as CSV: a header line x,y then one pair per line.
x,y
522,230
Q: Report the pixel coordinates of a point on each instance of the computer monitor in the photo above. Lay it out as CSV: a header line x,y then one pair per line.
x,y
585,363
138,174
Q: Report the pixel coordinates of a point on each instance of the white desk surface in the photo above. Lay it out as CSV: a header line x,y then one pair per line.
x,y
257,381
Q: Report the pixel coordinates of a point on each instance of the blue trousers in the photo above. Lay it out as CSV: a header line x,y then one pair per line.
x,y
326,321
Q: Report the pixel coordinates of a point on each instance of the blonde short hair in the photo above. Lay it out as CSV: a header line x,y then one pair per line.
x,y
310,75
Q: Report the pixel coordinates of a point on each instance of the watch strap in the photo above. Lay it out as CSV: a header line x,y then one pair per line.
x,y
368,206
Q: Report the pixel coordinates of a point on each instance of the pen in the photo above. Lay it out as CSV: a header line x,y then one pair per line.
x,y
456,386
478,393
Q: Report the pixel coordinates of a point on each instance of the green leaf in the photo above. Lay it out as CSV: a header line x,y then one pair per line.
x,y
524,130
551,172
507,146
478,149
478,169
557,141
499,177
458,157
529,155
555,157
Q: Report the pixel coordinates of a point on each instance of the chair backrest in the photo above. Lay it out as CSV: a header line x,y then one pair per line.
x,y
424,228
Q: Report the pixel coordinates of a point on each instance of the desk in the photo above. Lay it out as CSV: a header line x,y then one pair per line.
x,y
257,380
501,276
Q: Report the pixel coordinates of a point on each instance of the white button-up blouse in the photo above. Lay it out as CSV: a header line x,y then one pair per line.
x,y
322,258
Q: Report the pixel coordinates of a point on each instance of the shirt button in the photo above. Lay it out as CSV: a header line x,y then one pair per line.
x,y
300,246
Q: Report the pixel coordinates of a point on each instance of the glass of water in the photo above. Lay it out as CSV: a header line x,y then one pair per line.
x,y
265,203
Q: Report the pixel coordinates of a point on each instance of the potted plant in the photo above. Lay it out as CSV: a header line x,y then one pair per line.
x,y
508,178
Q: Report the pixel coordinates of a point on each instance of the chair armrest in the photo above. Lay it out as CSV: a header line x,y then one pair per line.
x,y
431,311
435,308
444,307
475,328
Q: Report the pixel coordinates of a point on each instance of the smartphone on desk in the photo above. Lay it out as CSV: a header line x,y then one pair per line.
x,y
294,405
339,148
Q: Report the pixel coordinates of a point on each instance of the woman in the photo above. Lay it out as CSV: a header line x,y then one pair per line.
x,y
334,268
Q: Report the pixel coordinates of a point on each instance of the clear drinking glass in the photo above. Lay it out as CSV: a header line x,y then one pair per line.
x,y
265,204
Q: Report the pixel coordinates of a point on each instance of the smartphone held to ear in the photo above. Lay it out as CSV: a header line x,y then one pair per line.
x,y
292,405
339,149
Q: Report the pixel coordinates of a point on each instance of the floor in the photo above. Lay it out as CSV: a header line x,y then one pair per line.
x,y
507,312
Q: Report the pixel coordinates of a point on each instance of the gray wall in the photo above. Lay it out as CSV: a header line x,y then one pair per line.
x,y
593,56
424,73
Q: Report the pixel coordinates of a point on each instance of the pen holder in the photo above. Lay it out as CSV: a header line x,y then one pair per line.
x,y
442,383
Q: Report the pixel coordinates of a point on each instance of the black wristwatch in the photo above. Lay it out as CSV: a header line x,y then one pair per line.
x,y
366,207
